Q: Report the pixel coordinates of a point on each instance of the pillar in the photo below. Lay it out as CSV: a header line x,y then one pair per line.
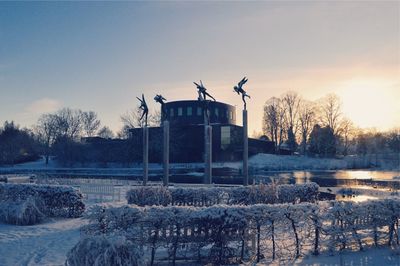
x,y
145,155
165,153
208,155
245,170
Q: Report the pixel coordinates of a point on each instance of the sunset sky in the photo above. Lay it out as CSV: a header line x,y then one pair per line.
x,y
100,56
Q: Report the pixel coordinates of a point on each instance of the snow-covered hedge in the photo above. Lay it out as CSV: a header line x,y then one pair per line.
x,y
224,234
26,204
147,196
101,251
297,193
208,196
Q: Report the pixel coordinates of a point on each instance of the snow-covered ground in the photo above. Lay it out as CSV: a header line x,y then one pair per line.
x,y
42,244
48,244
373,257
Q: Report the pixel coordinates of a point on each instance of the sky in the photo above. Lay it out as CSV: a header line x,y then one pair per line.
x,y
100,55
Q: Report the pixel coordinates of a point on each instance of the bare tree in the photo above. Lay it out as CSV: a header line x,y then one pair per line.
x,y
155,118
307,117
123,133
131,119
46,131
274,121
105,132
90,123
331,112
291,103
346,132
68,123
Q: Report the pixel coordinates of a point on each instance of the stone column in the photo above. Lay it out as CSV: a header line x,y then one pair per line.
x,y
207,149
245,170
145,155
166,152
208,155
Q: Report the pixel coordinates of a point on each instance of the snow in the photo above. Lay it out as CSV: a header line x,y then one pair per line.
x,y
101,251
341,226
49,243
42,244
370,257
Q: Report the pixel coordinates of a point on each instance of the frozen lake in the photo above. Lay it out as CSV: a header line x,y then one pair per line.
x,y
226,175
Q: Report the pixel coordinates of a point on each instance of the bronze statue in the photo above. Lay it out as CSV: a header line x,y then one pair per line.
x,y
202,91
145,109
240,90
158,98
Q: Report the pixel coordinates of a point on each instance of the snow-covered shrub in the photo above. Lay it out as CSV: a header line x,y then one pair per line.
x,y
223,234
61,201
108,220
22,212
25,204
200,196
307,192
209,196
101,251
250,195
148,196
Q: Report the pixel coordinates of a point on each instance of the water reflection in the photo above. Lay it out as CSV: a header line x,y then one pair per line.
x,y
333,178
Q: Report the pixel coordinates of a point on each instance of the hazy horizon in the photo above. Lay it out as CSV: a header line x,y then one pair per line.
x,y
100,55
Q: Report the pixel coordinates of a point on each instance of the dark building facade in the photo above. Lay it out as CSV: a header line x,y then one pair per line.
x,y
187,134
182,113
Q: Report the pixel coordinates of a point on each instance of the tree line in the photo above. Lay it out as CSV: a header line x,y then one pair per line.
x,y
319,128
294,124
60,134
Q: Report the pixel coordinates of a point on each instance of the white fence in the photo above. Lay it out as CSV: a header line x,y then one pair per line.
x,y
101,192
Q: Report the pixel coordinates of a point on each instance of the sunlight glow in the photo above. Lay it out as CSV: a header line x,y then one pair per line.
x,y
370,102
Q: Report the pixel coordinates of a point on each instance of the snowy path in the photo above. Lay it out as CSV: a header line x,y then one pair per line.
x,y
43,244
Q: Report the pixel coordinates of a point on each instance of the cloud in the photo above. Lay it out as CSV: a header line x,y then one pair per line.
x,y
44,105
32,111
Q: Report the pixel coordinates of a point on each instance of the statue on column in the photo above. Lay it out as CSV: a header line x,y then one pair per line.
x,y
145,109
202,92
160,99
240,90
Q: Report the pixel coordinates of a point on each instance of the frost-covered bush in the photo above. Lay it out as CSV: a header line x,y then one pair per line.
x,y
297,193
222,234
108,220
201,196
148,196
26,204
101,251
22,212
252,195
209,196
